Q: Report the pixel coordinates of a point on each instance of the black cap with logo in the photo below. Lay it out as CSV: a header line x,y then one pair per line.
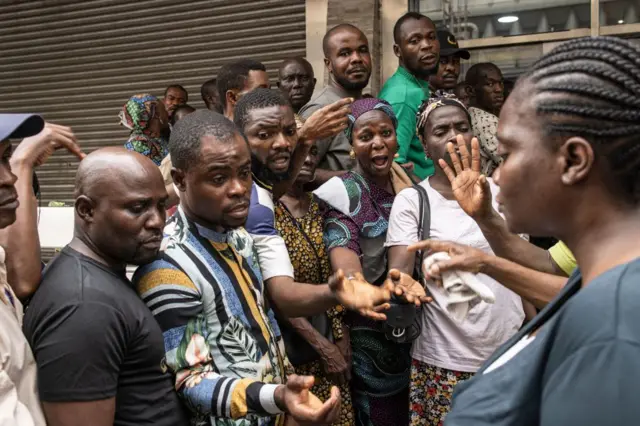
x,y
449,45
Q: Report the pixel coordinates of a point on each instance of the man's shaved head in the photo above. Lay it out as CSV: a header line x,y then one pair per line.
x,y
105,166
120,206
326,40
301,61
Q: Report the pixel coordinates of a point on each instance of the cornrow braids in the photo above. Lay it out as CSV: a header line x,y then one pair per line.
x,y
590,87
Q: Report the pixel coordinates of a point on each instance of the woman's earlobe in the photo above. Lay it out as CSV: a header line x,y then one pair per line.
x,y
579,159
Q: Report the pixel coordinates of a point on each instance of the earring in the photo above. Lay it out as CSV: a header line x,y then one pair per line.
x,y
352,154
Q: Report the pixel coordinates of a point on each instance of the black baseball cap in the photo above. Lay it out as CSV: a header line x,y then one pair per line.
x,y
449,45
18,126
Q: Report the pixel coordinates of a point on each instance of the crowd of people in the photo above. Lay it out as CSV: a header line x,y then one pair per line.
x,y
329,257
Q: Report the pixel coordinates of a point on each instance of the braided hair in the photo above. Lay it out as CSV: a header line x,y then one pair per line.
x,y
594,88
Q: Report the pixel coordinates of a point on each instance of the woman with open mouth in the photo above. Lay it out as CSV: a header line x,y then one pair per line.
x,y
354,233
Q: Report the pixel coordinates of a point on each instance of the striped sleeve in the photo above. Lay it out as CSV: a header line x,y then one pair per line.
x,y
176,303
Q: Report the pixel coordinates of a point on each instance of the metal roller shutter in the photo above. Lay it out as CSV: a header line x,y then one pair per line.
x,y
77,62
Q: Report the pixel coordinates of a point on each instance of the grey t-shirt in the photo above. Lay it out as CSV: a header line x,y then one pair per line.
x,y
333,152
581,368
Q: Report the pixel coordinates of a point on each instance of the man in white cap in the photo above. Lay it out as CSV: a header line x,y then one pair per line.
x,y
19,402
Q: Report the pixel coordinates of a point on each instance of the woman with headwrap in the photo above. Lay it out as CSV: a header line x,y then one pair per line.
x,y
148,121
354,234
314,345
449,349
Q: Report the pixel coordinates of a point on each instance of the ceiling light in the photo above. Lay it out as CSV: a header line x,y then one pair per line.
x,y
507,19
621,22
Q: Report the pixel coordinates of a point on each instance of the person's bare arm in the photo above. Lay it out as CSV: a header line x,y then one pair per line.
x,y
20,239
512,247
94,413
345,259
401,259
335,364
294,299
323,123
539,288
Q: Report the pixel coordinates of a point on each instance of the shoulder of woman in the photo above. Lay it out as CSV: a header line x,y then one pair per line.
x,y
334,194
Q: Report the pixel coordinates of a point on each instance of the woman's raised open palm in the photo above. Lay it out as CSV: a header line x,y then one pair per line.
x,y
469,186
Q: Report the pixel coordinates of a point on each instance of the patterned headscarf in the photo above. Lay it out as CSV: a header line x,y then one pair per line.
x,y
137,112
364,105
437,100
135,115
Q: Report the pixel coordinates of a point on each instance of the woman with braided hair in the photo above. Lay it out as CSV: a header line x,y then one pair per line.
x,y
570,139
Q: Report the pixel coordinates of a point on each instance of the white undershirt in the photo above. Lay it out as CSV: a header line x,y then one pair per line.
x,y
510,353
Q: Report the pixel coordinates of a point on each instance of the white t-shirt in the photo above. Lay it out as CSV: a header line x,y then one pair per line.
x,y
443,342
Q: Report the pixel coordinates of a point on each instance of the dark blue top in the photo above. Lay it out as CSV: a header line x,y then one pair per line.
x,y
583,368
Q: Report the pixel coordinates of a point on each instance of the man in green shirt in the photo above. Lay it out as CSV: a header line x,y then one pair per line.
x,y
418,50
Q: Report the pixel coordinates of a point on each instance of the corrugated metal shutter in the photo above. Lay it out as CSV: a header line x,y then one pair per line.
x,y
77,62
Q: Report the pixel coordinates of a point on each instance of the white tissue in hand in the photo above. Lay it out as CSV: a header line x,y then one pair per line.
x,y
459,289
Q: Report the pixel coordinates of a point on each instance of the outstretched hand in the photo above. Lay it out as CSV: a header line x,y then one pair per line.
x,y
358,295
305,407
404,285
462,258
36,150
326,122
469,186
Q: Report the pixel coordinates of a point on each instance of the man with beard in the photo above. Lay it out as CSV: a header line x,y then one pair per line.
x,y
206,288
348,60
99,351
296,81
446,78
417,48
487,94
278,151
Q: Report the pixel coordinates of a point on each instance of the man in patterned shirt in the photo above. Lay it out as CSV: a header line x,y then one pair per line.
x,y
207,292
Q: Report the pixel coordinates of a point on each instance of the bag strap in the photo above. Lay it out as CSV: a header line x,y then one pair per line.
x,y
424,225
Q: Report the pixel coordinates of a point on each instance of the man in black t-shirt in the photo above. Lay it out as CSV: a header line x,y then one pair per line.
x,y
99,350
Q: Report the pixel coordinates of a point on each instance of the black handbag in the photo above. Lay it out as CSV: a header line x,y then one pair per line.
x,y
403,322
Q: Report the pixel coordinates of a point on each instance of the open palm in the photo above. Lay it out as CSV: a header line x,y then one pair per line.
x,y
305,407
469,186
358,295
404,285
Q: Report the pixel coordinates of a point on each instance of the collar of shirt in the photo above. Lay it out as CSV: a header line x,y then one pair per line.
x,y
211,235
410,78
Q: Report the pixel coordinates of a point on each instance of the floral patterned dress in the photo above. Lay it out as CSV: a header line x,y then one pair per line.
x,y
303,237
